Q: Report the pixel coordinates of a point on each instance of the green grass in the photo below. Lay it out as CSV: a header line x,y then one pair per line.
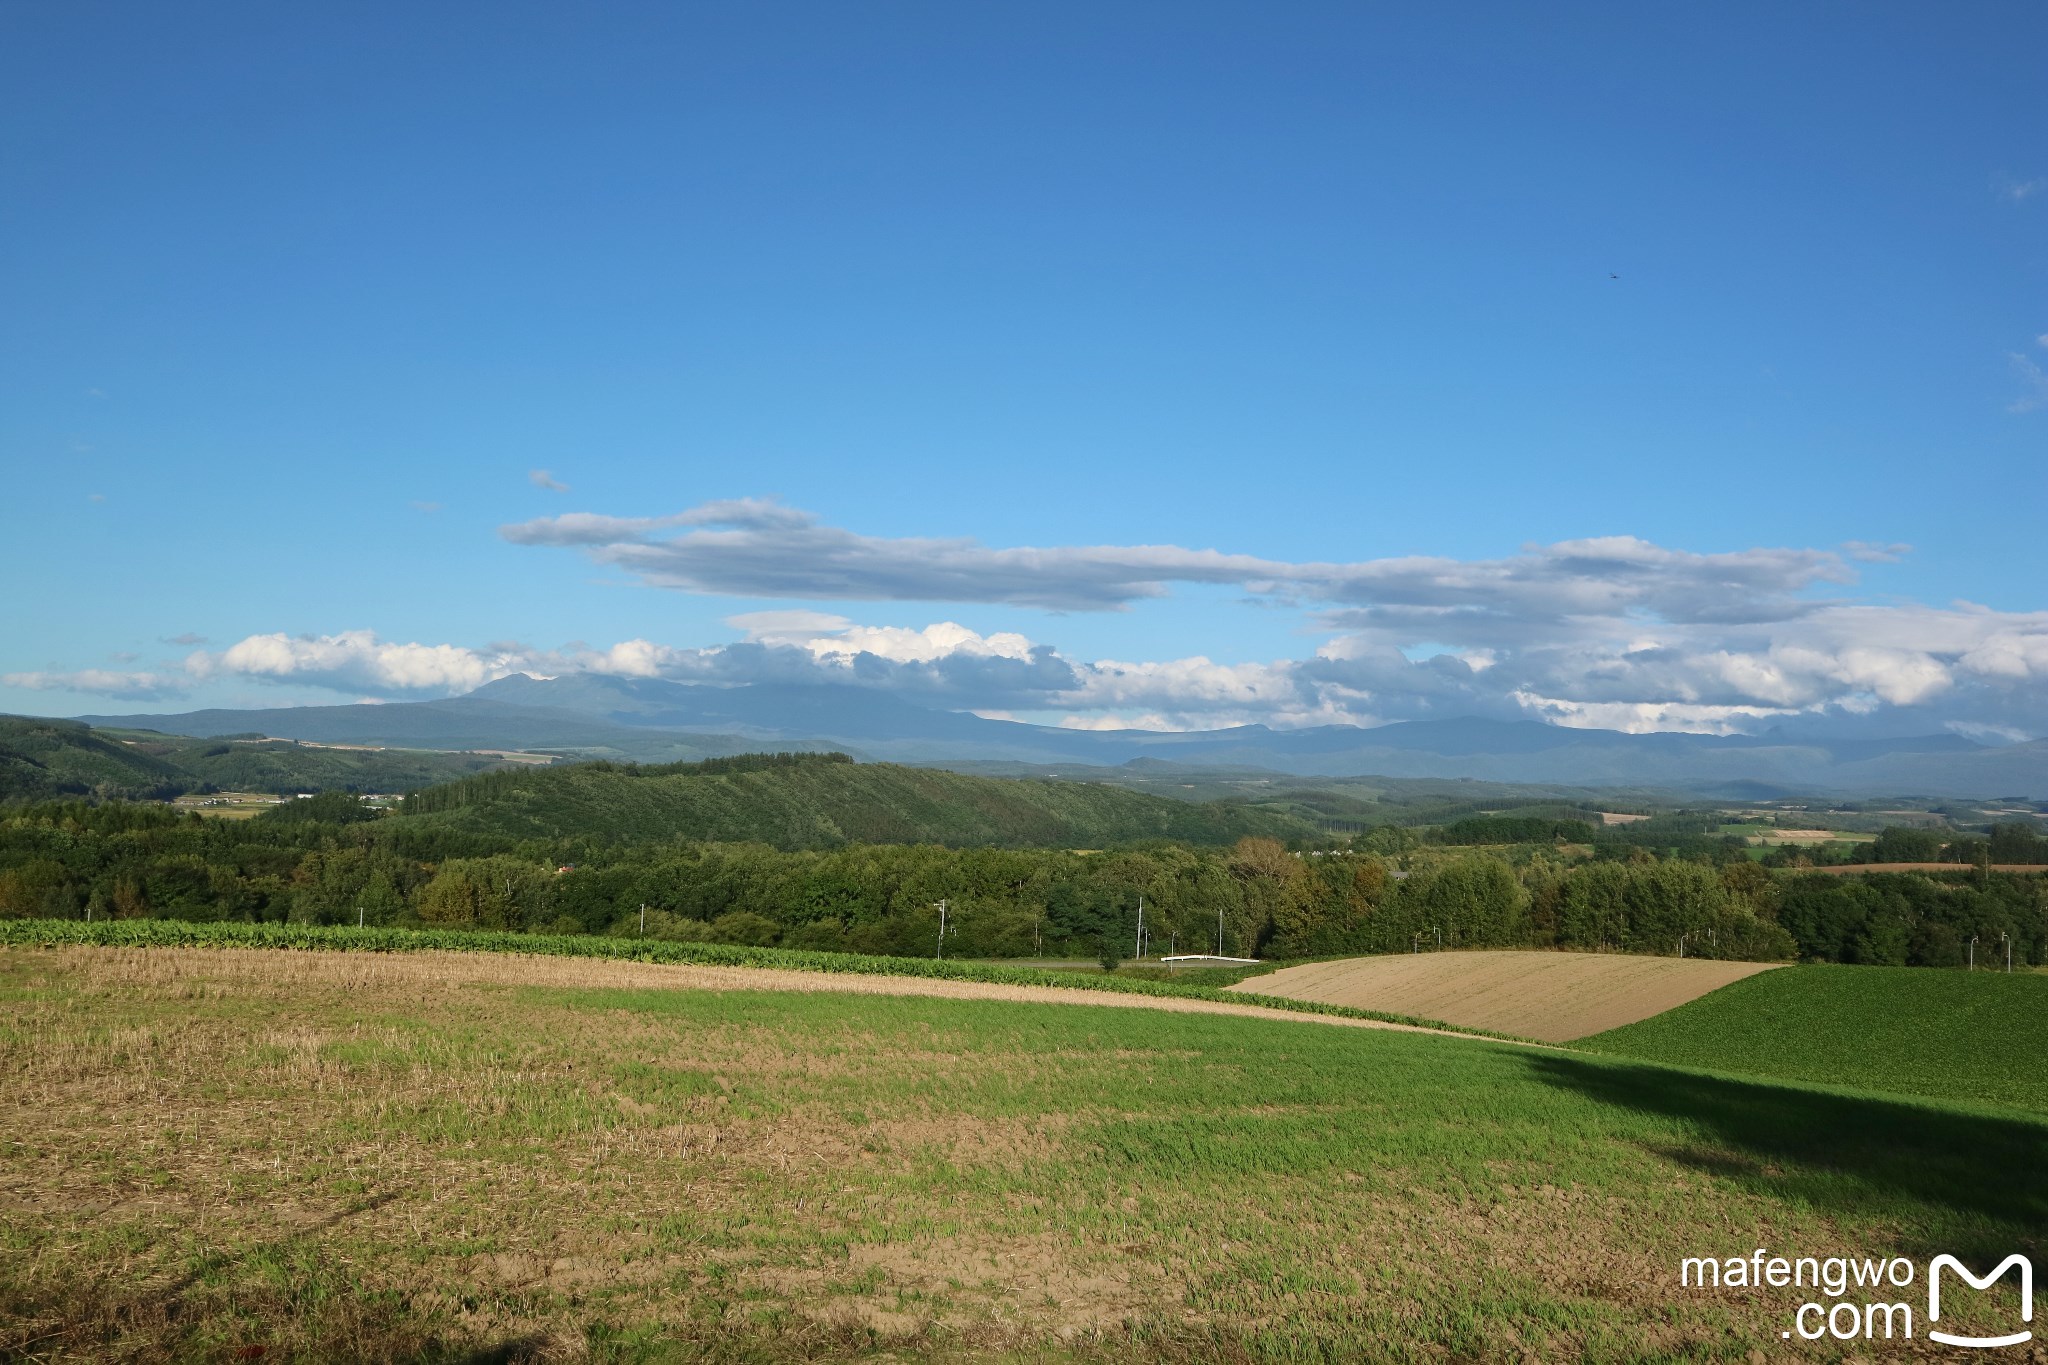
x,y
1909,1030
335,1165
1193,984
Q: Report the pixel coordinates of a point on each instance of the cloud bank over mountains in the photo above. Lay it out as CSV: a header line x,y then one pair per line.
x,y
755,547
1614,632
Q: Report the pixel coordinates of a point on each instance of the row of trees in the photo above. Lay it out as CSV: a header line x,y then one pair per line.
x,y
2010,842
1256,898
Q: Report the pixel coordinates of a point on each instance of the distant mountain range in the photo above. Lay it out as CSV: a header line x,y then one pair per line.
x,y
657,721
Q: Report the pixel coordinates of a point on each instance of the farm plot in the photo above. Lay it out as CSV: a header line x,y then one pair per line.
x,y
218,1155
1910,1030
1550,996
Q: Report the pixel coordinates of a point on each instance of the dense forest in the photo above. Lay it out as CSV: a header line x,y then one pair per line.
x,y
44,760
332,860
819,801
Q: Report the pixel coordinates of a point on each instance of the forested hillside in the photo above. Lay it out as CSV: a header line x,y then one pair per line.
x,y
799,801
42,760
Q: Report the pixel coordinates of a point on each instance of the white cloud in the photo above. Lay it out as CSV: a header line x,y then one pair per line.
x,y
1988,734
900,644
1114,722
785,627
357,660
540,478
762,548
1874,552
2021,190
129,686
2033,385
1642,718
1608,631
755,547
1960,665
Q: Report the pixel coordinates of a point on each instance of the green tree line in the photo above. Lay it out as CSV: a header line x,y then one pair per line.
x,y
329,861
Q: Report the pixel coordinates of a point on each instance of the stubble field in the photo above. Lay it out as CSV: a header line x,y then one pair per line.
x,y
1551,996
263,1155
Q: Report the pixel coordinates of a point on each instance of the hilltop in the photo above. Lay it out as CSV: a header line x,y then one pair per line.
x,y
43,760
809,801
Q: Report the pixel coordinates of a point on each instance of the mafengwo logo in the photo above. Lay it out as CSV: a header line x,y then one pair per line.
x,y
1934,1269
1866,1316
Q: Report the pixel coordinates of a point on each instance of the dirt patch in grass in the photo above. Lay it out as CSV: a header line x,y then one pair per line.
x,y
972,1283
1551,996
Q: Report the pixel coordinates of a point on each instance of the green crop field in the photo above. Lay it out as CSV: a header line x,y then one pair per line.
x,y
1909,1030
232,1153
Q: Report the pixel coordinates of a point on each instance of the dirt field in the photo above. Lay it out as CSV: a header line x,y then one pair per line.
x,y
1552,996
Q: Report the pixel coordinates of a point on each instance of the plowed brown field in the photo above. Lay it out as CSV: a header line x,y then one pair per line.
x,y
1551,996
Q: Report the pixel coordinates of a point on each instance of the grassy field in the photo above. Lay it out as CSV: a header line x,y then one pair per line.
x,y
424,1156
1909,1030
229,805
1210,983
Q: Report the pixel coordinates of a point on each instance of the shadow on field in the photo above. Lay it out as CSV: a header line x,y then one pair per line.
x,y
515,1351
1841,1153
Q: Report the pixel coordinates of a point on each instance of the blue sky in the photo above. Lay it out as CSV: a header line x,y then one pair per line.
x,y
294,304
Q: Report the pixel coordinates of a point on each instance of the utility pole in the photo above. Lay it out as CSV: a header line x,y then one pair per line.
x,y
359,917
1219,931
942,929
643,919
1141,929
1973,952
2008,951
1438,929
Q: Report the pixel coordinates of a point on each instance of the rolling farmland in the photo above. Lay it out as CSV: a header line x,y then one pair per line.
x,y
236,1154
1550,996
